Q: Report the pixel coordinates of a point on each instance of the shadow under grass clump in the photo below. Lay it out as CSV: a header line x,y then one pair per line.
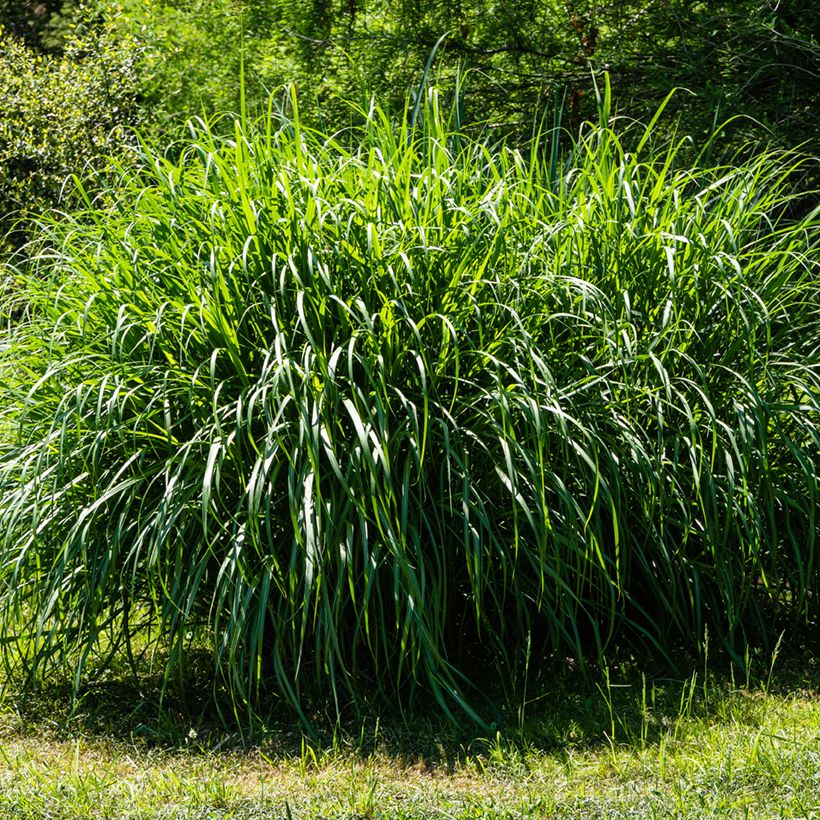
x,y
375,411
628,707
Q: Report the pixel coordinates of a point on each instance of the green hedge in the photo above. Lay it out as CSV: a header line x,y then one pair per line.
x,y
59,115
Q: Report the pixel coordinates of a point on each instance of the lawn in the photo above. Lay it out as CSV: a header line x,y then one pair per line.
x,y
634,748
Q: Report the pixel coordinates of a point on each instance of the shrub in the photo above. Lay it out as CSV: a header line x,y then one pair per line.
x,y
190,53
58,115
374,415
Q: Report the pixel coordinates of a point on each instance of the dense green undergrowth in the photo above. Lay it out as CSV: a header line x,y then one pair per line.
x,y
752,57
379,411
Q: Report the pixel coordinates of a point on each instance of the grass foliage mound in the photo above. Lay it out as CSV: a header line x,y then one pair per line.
x,y
373,417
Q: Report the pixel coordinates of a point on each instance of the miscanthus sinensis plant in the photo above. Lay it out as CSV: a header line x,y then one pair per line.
x,y
373,411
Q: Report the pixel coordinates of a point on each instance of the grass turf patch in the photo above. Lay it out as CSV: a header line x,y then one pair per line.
x,y
633,747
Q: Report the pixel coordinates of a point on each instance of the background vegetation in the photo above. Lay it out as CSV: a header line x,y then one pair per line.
x,y
60,114
749,57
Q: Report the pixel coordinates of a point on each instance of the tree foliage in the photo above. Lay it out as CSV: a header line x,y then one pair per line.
x,y
757,58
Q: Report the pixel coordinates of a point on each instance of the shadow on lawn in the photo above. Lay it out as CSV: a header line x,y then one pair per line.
x,y
564,710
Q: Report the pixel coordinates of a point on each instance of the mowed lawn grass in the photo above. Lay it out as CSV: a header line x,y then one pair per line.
x,y
630,747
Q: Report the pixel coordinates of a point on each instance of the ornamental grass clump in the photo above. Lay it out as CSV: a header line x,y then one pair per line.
x,y
371,418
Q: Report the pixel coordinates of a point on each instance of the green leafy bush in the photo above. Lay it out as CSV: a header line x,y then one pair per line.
x,y
190,53
59,115
372,416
